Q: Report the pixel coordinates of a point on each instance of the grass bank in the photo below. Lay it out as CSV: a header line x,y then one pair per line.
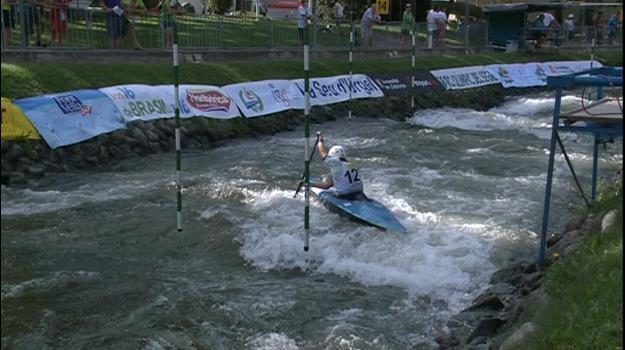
x,y
28,79
585,308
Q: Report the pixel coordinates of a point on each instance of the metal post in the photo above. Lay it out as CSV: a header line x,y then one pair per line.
x,y
178,152
552,151
466,27
307,136
595,156
351,55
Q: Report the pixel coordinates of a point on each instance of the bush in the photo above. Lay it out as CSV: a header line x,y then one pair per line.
x,y
221,6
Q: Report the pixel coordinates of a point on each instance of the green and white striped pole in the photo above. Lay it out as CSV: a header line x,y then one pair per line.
x,y
351,57
177,114
414,53
307,136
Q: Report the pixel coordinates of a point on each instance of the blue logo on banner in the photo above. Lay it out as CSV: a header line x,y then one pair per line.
x,y
69,104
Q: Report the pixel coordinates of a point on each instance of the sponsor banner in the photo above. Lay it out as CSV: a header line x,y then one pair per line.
x,y
324,91
139,102
519,74
258,98
556,68
465,77
396,83
15,125
201,101
73,116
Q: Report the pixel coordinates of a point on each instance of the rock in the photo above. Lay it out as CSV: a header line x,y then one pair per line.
x,y
16,177
486,328
138,135
589,225
531,268
152,136
16,152
608,220
490,302
575,223
36,170
510,275
518,337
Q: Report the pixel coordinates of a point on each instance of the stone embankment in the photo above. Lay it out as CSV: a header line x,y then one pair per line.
x,y
24,162
494,320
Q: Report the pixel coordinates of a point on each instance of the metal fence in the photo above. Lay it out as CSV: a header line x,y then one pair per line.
x,y
27,26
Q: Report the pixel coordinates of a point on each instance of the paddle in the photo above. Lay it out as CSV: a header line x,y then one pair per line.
x,y
312,153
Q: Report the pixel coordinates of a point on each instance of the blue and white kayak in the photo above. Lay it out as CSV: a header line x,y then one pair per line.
x,y
367,211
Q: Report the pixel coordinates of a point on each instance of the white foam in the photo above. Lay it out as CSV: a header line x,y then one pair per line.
x,y
270,341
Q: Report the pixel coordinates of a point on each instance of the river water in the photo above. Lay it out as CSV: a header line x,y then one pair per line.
x,y
93,260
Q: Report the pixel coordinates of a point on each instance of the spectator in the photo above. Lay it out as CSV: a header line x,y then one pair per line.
x,y
7,22
368,18
407,22
548,19
613,25
598,28
570,26
168,21
303,14
441,26
537,30
338,16
432,26
32,10
131,9
58,20
114,22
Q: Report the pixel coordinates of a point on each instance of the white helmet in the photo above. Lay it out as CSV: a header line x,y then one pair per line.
x,y
337,151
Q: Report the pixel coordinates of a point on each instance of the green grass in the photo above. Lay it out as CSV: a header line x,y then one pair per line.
x,y
28,79
585,291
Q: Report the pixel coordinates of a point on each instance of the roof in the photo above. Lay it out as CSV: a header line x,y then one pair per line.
x,y
527,6
608,110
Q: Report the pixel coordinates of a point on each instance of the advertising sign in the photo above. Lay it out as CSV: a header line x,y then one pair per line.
x,y
258,98
201,101
139,102
465,77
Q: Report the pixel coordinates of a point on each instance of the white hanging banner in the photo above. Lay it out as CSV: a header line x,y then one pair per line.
x,y
556,68
328,90
139,102
519,74
258,98
465,77
200,101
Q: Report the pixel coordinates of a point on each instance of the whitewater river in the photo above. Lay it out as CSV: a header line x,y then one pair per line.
x,y
93,260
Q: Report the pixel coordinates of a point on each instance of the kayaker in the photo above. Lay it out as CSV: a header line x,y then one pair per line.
x,y
345,177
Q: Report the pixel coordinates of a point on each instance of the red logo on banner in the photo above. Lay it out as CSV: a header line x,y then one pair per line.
x,y
208,100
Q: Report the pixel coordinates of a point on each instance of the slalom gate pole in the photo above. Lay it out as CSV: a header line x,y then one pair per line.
x,y
177,115
351,55
307,136
414,52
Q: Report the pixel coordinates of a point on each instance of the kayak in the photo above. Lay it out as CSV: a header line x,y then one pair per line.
x,y
367,211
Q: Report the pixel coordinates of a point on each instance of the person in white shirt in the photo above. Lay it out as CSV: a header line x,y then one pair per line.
x,y
368,18
441,24
549,20
338,16
432,25
345,177
570,26
302,11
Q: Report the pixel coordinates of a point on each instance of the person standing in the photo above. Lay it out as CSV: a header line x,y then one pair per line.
x,y
570,26
432,26
407,22
370,17
114,22
131,9
7,23
303,15
613,25
441,26
58,20
598,27
338,16
167,21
